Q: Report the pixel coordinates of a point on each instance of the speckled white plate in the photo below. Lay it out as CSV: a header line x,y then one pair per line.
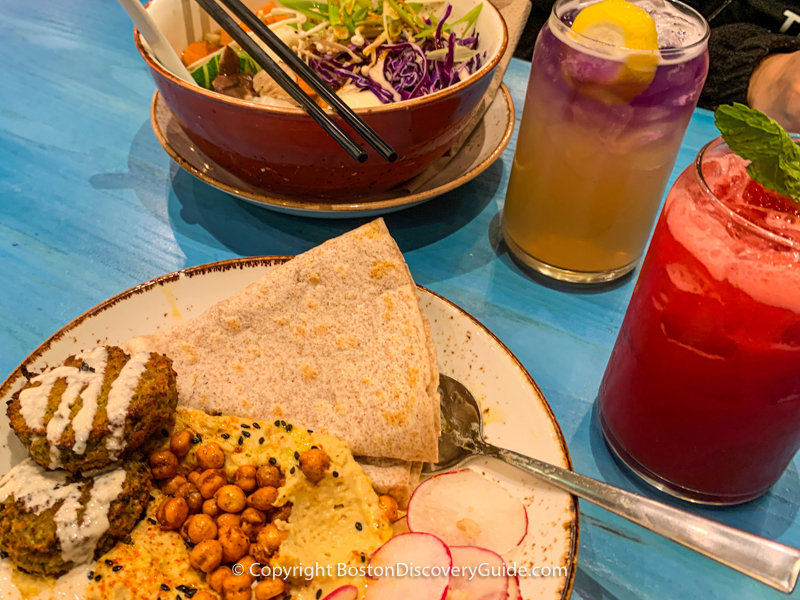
x,y
516,414
485,145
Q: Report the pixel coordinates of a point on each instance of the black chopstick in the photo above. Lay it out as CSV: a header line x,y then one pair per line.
x,y
299,66
279,75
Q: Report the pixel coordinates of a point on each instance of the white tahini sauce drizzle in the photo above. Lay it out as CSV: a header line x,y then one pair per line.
x,y
77,380
78,541
86,384
39,489
376,73
119,398
70,586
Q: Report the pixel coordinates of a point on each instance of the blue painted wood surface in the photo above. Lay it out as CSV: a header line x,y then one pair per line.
x,y
90,205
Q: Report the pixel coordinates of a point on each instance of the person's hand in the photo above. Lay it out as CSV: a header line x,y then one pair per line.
x,y
775,89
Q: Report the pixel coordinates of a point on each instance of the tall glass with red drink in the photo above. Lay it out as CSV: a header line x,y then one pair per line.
x,y
701,395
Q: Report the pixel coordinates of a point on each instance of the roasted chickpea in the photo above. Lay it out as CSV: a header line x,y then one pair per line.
x,y
169,487
281,513
235,544
206,556
388,506
163,464
229,520
262,498
246,565
314,463
268,476
201,528
269,540
194,499
269,588
193,476
210,508
254,516
237,587
210,481
172,513
245,478
251,530
210,456
184,530
231,498
180,442
204,595
215,579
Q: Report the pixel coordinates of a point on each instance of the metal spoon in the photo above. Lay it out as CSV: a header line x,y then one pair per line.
x,y
772,563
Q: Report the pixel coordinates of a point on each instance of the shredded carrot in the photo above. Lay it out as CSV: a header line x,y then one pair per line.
x,y
266,9
224,38
197,50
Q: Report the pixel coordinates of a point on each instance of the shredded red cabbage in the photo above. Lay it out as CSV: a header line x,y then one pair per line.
x,y
406,67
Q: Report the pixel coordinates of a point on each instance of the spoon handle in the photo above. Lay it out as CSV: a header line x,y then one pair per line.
x,y
772,563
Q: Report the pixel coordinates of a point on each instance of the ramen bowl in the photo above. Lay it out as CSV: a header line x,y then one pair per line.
x,y
282,150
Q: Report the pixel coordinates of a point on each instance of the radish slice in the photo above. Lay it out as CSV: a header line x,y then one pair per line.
x,y
481,574
346,592
462,508
513,588
391,568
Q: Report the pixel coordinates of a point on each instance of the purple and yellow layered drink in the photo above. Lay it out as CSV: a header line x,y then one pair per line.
x,y
612,88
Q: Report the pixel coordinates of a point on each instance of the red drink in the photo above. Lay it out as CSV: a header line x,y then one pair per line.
x,y
701,395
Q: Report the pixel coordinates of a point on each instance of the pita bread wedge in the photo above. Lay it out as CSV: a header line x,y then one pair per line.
x,y
396,478
333,340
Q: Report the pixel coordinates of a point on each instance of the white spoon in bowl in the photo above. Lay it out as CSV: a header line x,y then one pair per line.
x,y
162,50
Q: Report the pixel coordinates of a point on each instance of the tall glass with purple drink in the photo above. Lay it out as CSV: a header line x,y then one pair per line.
x,y
612,88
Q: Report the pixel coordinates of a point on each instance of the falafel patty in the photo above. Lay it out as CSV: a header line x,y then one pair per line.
x,y
51,521
93,409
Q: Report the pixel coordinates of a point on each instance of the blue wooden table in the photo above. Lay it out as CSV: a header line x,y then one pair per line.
x,y
91,205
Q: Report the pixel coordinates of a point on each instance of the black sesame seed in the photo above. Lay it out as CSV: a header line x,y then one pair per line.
x,y
283,424
241,440
292,470
335,473
289,427
319,594
277,423
197,439
260,440
127,540
310,430
225,436
152,521
245,426
315,447
246,434
190,593
165,587
117,569
359,526
256,426
164,433
91,574
296,455
272,461
110,563
181,588
98,577
363,558
189,544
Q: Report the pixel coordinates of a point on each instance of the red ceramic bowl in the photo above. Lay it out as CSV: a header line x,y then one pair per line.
x,y
285,152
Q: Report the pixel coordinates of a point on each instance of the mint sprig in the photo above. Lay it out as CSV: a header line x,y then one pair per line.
x,y
774,157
